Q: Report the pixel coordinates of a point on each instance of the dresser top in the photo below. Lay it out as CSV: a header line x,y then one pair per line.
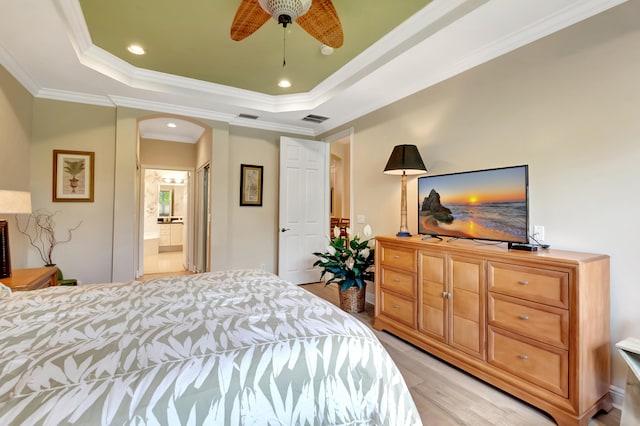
x,y
490,248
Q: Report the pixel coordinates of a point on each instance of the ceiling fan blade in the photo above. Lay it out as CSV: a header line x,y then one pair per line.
x,y
322,23
249,17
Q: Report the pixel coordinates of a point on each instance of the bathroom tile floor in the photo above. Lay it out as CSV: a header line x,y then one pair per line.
x,y
170,261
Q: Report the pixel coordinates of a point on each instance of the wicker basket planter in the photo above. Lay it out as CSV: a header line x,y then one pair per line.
x,y
352,299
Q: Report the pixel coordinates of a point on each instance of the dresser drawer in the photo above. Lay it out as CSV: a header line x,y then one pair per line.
x,y
398,308
399,282
540,322
546,286
544,366
398,258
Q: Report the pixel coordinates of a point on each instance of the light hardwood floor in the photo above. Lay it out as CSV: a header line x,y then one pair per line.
x,y
169,262
446,395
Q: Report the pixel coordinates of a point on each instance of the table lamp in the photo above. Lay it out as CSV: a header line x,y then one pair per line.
x,y
405,160
11,202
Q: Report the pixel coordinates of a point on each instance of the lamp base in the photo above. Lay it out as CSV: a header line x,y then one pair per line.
x,y
403,234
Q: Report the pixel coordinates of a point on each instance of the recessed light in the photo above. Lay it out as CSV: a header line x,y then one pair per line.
x,y
172,125
136,49
284,83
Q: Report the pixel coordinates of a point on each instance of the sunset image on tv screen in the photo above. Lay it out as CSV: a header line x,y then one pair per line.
x,y
483,204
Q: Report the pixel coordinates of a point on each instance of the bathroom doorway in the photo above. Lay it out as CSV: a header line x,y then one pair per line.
x,y
166,220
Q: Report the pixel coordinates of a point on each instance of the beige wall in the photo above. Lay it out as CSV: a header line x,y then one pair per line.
x,y
72,126
16,116
255,238
155,152
240,237
568,107
203,149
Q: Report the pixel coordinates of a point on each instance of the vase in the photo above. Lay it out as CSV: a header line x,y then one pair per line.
x,y
352,299
74,183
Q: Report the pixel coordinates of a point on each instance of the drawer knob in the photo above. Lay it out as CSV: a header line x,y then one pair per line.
x,y
524,317
396,306
396,257
523,282
523,356
396,280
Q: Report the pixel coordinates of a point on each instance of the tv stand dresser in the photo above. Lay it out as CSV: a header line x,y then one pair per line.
x,y
534,324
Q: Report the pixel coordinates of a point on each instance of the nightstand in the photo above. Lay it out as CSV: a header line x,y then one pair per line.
x,y
32,278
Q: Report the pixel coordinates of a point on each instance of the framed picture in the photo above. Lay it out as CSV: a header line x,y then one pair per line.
x,y
73,174
250,185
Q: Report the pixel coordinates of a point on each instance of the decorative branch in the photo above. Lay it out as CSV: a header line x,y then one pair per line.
x,y
40,230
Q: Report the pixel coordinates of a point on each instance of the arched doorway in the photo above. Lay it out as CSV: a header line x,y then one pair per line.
x,y
170,150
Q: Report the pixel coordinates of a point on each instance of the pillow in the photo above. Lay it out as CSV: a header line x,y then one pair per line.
x,y
4,291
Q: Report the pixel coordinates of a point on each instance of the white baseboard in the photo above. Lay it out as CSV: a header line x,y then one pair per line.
x,y
617,396
370,298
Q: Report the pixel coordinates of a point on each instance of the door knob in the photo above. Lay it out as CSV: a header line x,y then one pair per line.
x,y
285,229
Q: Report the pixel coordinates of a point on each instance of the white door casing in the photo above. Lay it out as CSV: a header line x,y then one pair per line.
x,y
304,197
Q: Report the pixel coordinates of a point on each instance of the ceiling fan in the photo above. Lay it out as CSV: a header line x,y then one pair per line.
x,y
317,17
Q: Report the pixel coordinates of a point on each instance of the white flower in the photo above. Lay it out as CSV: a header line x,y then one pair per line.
x,y
367,231
336,232
349,263
349,232
365,253
331,250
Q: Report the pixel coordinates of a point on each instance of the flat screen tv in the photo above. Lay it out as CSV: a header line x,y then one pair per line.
x,y
487,204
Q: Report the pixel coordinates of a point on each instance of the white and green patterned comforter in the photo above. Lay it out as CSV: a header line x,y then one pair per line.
x,y
223,348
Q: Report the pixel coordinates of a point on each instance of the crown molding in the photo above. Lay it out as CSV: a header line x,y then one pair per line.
x,y
391,45
230,119
68,96
420,33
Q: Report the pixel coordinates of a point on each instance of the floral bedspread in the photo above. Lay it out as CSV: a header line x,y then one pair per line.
x,y
222,348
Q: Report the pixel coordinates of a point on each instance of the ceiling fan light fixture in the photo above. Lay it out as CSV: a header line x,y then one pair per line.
x,y
285,11
326,50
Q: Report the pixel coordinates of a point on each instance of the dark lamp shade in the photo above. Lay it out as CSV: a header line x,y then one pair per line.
x,y
405,159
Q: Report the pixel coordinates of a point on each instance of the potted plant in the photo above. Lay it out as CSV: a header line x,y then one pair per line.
x,y
349,262
74,168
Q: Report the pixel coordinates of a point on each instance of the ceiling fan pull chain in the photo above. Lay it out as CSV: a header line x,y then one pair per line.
x,y
284,47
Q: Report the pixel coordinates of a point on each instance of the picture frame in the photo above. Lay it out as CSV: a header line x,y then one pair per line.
x,y
251,185
73,176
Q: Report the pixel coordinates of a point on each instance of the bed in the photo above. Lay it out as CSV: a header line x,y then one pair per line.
x,y
223,348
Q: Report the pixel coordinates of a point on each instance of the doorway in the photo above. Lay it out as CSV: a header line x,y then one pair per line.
x,y
340,204
165,220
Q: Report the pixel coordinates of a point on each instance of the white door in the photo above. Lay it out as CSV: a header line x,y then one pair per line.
x,y
304,196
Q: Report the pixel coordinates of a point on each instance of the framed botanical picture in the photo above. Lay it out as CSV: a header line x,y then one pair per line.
x,y
250,185
73,175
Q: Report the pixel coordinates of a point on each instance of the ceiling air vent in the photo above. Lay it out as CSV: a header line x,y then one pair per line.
x,y
315,118
248,116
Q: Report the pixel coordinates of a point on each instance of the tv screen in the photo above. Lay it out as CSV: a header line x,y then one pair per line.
x,y
483,204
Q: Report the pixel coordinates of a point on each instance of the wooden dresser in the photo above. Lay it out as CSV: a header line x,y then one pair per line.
x,y
32,278
535,324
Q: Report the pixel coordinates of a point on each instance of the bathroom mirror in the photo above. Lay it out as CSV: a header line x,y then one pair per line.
x,y
165,201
